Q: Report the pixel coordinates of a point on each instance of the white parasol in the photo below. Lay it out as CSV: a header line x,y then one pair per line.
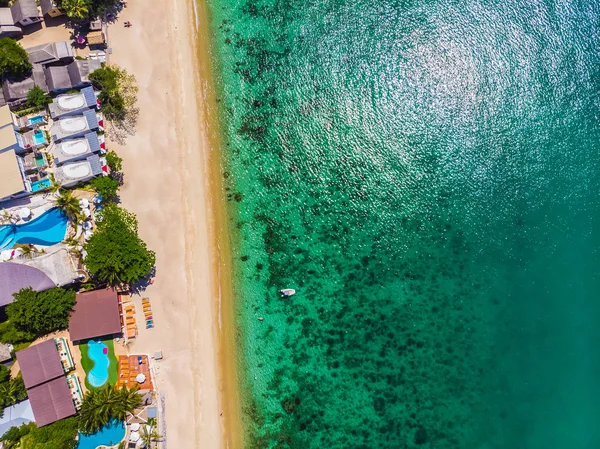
x,y
140,378
134,436
25,213
135,427
5,255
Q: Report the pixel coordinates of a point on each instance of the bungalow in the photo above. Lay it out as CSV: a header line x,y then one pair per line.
x,y
15,416
50,53
72,173
17,90
25,12
71,76
7,24
75,125
50,9
73,104
95,314
71,150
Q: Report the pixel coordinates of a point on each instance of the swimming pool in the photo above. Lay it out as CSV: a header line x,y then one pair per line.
x,y
109,435
98,352
41,184
36,119
38,138
48,229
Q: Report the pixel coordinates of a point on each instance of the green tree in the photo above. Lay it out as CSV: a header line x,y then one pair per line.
x,y
66,201
105,186
149,435
118,91
40,313
10,334
36,97
115,252
14,60
115,163
99,407
76,9
58,435
12,392
4,374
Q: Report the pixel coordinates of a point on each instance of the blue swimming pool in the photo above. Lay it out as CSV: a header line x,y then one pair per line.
x,y
36,119
38,138
109,435
48,229
98,352
40,185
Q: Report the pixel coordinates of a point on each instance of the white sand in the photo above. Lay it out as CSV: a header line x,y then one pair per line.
x,y
166,186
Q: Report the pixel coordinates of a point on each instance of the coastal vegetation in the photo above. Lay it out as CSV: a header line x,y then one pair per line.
x,y
115,252
76,9
38,313
99,407
60,434
14,60
105,186
68,203
37,98
12,390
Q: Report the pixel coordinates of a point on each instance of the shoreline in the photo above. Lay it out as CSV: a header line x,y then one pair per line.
x,y
172,171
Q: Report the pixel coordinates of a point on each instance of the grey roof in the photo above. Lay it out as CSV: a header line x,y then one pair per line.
x,y
15,276
6,18
95,163
50,52
58,77
40,363
4,355
91,117
93,142
15,416
90,96
17,90
23,9
51,401
47,5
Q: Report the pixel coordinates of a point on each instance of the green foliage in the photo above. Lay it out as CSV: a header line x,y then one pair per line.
x,y
43,312
36,97
66,202
118,91
115,163
99,407
13,435
4,374
115,252
87,363
10,334
12,392
58,435
14,60
76,9
106,186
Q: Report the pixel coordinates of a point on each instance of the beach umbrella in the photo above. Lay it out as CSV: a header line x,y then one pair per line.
x,y
5,255
25,213
84,202
134,436
140,378
135,427
86,213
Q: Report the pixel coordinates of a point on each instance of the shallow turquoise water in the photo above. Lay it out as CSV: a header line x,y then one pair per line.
x,y
425,174
98,352
47,229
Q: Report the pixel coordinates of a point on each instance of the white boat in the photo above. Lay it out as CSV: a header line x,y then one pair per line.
x,y
287,292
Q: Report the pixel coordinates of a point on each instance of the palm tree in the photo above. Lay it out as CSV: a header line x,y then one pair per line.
x,y
148,435
99,407
76,9
66,202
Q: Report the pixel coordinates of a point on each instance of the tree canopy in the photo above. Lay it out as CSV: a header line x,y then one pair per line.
x,y
99,407
39,313
14,60
115,163
68,203
115,252
105,186
36,97
60,434
118,91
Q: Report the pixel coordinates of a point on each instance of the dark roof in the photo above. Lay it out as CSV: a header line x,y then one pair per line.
x,y
47,5
40,363
95,314
58,77
18,90
95,164
93,142
91,118
15,276
23,9
50,52
51,401
90,96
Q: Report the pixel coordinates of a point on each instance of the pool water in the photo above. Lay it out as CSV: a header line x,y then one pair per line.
x,y
38,138
48,229
109,435
98,352
36,119
39,160
41,184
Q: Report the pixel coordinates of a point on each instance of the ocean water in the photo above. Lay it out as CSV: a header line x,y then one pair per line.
x,y
426,175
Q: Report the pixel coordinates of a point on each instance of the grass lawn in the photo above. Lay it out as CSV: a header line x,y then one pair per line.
x,y
87,363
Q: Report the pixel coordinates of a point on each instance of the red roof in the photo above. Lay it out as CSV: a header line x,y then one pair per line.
x,y
51,401
40,363
95,314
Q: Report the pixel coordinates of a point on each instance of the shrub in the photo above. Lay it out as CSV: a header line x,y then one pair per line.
x,y
36,97
106,186
14,60
115,163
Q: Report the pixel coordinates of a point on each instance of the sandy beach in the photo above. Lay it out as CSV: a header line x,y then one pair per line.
x,y
169,186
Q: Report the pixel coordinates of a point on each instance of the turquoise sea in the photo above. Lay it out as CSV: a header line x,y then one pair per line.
x,y
426,175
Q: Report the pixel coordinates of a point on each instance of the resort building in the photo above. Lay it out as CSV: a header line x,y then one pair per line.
x,y
44,377
71,76
72,173
76,149
15,416
15,276
7,24
25,12
75,126
50,53
50,9
95,315
12,184
57,264
73,104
